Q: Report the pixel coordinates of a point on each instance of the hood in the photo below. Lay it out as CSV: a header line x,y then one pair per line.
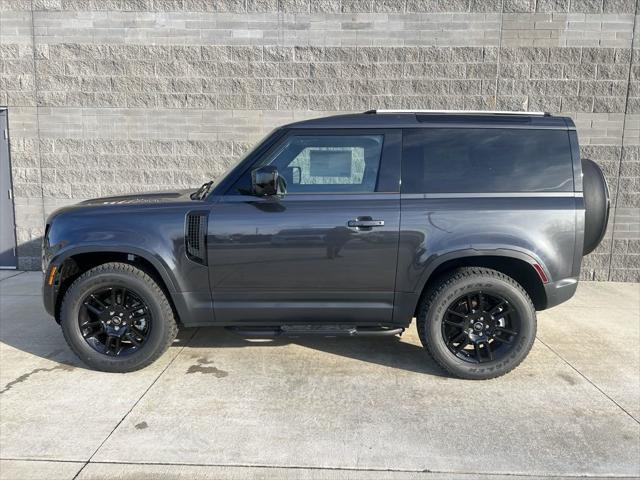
x,y
140,198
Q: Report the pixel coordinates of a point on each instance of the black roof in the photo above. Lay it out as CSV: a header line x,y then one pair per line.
x,y
419,119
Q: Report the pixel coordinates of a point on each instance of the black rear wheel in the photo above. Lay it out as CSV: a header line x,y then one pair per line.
x,y
477,323
116,318
480,327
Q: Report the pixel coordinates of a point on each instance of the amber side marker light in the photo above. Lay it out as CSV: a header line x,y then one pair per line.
x,y
52,274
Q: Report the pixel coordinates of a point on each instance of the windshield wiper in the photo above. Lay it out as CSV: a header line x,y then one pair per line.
x,y
202,191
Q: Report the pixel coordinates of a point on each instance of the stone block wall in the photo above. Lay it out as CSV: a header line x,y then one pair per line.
x,y
114,96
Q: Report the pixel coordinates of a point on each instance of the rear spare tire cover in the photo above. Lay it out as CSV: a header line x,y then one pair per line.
x,y
596,204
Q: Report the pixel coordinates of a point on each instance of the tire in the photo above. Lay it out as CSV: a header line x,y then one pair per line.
x,y
154,337
441,307
596,205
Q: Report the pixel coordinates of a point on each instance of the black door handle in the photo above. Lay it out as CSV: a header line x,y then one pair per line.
x,y
365,223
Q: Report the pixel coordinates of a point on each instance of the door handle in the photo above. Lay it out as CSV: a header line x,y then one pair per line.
x,y
365,223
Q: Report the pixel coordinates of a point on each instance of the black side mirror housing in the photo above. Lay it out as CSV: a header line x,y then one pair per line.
x,y
266,181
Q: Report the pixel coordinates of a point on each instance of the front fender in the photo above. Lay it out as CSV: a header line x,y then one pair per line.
x,y
154,233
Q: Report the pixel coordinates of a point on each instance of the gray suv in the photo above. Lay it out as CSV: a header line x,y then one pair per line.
x,y
349,225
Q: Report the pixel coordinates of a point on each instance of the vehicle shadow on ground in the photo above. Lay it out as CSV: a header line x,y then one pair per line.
x,y
392,351
44,339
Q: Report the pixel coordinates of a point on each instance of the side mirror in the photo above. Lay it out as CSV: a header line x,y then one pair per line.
x,y
266,181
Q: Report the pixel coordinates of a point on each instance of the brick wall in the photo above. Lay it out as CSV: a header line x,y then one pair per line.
x,y
113,96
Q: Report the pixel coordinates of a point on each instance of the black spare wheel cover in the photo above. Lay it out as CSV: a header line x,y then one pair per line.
x,y
596,204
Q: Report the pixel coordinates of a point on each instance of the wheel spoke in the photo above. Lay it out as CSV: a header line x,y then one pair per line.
x,y
137,312
98,301
469,304
454,324
116,346
134,308
139,333
107,344
93,328
502,340
121,297
462,345
496,309
457,314
124,297
458,338
91,324
487,347
132,338
476,347
481,301
92,309
506,330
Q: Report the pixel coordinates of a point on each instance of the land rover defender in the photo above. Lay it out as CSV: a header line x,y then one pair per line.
x,y
351,225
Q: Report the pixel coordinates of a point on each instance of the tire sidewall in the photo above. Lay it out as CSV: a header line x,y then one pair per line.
x,y
69,320
489,285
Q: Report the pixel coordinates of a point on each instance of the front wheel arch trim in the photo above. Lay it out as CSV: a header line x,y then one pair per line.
x,y
158,265
52,300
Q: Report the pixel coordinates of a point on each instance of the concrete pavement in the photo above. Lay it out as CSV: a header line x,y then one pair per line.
x,y
219,406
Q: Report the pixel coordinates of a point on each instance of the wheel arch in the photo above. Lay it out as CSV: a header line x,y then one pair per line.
x,y
73,263
523,268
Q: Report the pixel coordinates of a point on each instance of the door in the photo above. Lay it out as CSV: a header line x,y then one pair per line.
x,y
326,250
8,257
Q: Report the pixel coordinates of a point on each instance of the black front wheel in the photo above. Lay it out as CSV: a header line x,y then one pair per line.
x,y
477,323
116,318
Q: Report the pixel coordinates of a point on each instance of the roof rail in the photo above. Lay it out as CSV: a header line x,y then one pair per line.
x,y
464,112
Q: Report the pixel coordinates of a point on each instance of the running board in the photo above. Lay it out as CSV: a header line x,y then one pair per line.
x,y
317,330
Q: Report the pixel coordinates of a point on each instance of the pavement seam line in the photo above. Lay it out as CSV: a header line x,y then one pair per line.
x,y
136,403
11,276
589,380
299,467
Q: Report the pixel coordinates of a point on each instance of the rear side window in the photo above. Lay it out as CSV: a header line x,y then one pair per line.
x,y
486,160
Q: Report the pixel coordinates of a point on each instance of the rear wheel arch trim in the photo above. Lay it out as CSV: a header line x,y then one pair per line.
x,y
473,253
523,255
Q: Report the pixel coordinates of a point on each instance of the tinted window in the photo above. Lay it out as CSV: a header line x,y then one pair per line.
x,y
484,160
328,163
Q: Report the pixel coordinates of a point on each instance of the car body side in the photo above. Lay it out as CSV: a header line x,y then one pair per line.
x,y
536,238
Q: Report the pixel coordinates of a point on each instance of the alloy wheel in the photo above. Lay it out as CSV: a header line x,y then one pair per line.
x,y
480,327
114,321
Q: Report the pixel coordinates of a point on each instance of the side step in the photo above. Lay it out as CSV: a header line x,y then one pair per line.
x,y
318,330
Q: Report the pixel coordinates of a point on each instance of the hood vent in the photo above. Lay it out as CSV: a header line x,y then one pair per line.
x,y
196,236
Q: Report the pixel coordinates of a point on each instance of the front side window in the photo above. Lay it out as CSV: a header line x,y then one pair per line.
x,y
328,163
479,160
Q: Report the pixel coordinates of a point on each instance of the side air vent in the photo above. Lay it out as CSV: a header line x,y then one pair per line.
x,y
196,237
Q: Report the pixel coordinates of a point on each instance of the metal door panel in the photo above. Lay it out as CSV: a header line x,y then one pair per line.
x,y
8,258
